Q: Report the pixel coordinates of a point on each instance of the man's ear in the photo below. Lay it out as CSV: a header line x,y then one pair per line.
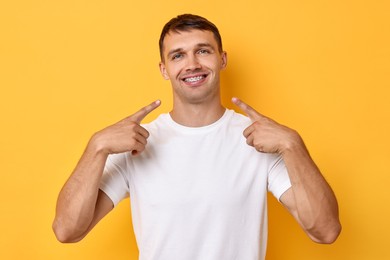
x,y
163,70
224,60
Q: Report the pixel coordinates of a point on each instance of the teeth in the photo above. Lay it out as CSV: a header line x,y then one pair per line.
x,y
193,79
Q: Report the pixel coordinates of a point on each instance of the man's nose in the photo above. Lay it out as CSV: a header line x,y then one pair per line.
x,y
193,63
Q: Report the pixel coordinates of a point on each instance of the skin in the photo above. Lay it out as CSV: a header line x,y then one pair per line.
x,y
189,54
194,54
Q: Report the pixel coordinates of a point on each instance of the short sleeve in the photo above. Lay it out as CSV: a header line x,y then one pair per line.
x,y
114,182
278,179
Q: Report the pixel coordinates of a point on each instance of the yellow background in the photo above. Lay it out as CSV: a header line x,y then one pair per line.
x,y
70,68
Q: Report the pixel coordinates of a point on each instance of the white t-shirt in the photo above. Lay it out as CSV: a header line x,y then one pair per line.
x,y
197,193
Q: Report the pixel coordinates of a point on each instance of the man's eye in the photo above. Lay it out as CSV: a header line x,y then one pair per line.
x,y
177,56
203,51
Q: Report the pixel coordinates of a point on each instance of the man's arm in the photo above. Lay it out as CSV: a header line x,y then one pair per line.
x,y
81,204
78,202
310,199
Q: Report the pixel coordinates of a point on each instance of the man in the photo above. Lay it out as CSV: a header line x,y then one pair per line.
x,y
197,177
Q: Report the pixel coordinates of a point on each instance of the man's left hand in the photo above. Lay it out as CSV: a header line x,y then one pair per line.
x,y
265,134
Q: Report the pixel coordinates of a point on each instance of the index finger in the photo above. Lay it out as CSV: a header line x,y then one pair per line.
x,y
143,112
253,114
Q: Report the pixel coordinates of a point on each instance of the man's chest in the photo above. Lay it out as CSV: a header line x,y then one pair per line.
x,y
186,172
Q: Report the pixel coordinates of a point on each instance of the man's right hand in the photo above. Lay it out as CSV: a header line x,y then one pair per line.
x,y
126,135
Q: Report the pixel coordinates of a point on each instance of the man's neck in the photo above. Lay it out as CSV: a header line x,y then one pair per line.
x,y
197,115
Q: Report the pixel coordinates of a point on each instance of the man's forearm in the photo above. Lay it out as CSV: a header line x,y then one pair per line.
x,y
77,199
76,205
316,206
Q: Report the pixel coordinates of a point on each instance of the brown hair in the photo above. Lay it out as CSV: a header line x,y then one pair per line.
x,y
187,22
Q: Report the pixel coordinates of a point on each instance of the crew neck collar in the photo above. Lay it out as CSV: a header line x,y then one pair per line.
x,y
200,129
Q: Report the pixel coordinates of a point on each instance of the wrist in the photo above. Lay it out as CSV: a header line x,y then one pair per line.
x,y
96,146
292,143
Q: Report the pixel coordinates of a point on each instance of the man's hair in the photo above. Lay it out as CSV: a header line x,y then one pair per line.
x,y
188,22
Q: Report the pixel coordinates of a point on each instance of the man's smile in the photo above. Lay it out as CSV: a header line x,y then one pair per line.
x,y
194,79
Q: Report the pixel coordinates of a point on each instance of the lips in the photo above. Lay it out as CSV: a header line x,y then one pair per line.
x,y
194,79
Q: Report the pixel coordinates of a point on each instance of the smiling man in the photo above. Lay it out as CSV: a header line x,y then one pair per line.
x,y
198,176
192,61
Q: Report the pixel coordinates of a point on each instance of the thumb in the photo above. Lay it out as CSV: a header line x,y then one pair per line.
x,y
143,112
251,113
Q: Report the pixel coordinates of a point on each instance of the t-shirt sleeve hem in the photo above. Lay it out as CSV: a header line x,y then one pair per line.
x,y
283,187
110,193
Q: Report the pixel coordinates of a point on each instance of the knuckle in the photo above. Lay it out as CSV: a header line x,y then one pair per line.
x,y
133,125
144,110
258,145
133,136
141,148
257,123
133,142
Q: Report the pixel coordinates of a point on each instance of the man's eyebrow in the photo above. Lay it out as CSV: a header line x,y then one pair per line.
x,y
197,45
205,45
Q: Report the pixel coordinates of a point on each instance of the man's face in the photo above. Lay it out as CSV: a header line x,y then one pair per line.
x,y
192,62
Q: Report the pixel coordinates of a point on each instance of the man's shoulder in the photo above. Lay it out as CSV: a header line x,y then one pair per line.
x,y
160,119
239,119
